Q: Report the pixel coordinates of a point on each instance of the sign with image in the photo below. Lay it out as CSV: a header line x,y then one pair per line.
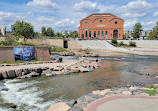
x,y
24,53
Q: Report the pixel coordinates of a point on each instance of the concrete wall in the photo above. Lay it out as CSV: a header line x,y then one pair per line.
x,y
42,53
143,43
6,54
53,42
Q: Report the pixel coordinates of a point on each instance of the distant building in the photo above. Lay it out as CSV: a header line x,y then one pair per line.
x,y
101,26
143,34
3,31
12,30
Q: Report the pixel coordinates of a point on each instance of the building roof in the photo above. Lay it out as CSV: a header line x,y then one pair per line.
x,y
102,14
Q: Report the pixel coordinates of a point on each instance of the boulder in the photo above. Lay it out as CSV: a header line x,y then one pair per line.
x,y
76,109
75,69
11,74
26,71
67,68
44,68
34,74
101,92
58,68
1,76
61,106
82,69
48,73
39,70
126,93
18,72
4,74
71,103
66,72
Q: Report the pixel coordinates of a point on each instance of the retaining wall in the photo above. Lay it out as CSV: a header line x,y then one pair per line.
x,y
53,42
142,43
6,54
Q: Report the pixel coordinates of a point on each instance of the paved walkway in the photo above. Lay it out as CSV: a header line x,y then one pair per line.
x,y
125,103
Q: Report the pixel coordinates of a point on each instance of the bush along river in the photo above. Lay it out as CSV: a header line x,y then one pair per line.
x,y
114,72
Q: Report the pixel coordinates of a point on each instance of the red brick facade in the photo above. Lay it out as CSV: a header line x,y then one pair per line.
x,y
101,26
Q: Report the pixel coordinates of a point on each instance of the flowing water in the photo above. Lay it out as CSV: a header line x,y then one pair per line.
x,y
40,92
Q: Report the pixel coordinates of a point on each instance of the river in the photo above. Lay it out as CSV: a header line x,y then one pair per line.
x,y
116,71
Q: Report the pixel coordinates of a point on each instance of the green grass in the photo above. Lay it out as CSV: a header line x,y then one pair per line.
x,y
19,61
151,87
57,49
151,92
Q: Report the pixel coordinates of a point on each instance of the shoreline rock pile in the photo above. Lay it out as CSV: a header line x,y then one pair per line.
x,y
80,66
81,103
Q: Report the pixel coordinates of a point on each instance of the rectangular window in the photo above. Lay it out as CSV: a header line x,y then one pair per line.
x,y
94,33
111,35
119,35
102,34
89,33
86,34
106,34
98,34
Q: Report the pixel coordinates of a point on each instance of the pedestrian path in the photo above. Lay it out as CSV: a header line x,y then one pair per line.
x,y
125,103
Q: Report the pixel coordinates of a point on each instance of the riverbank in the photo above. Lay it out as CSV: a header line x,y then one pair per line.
x,y
92,101
48,69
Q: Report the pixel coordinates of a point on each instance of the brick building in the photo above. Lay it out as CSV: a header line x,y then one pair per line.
x,y
101,26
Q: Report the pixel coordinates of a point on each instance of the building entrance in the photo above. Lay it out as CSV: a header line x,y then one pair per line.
x,y
115,34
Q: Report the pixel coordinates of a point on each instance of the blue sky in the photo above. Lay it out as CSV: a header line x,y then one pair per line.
x,y
66,14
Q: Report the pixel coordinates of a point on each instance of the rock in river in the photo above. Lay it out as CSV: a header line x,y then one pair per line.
x,y
61,106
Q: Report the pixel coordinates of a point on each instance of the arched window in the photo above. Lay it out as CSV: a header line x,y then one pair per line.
x,y
115,22
89,33
102,34
86,33
94,33
98,34
101,21
106,34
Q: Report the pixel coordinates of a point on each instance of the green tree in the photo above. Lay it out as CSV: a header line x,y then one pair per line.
x,y
137,30
50,32
43,30
73,34
23,29
59,34
154,33
67,35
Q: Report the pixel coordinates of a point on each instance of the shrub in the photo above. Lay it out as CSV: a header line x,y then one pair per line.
x,y
121,44
114,41
133,44
151,92
56,49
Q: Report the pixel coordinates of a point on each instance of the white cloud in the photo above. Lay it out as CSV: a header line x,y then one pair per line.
x,y
66,23
86,6
55,24
135,9
43,5
8,18
128,25
155,14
